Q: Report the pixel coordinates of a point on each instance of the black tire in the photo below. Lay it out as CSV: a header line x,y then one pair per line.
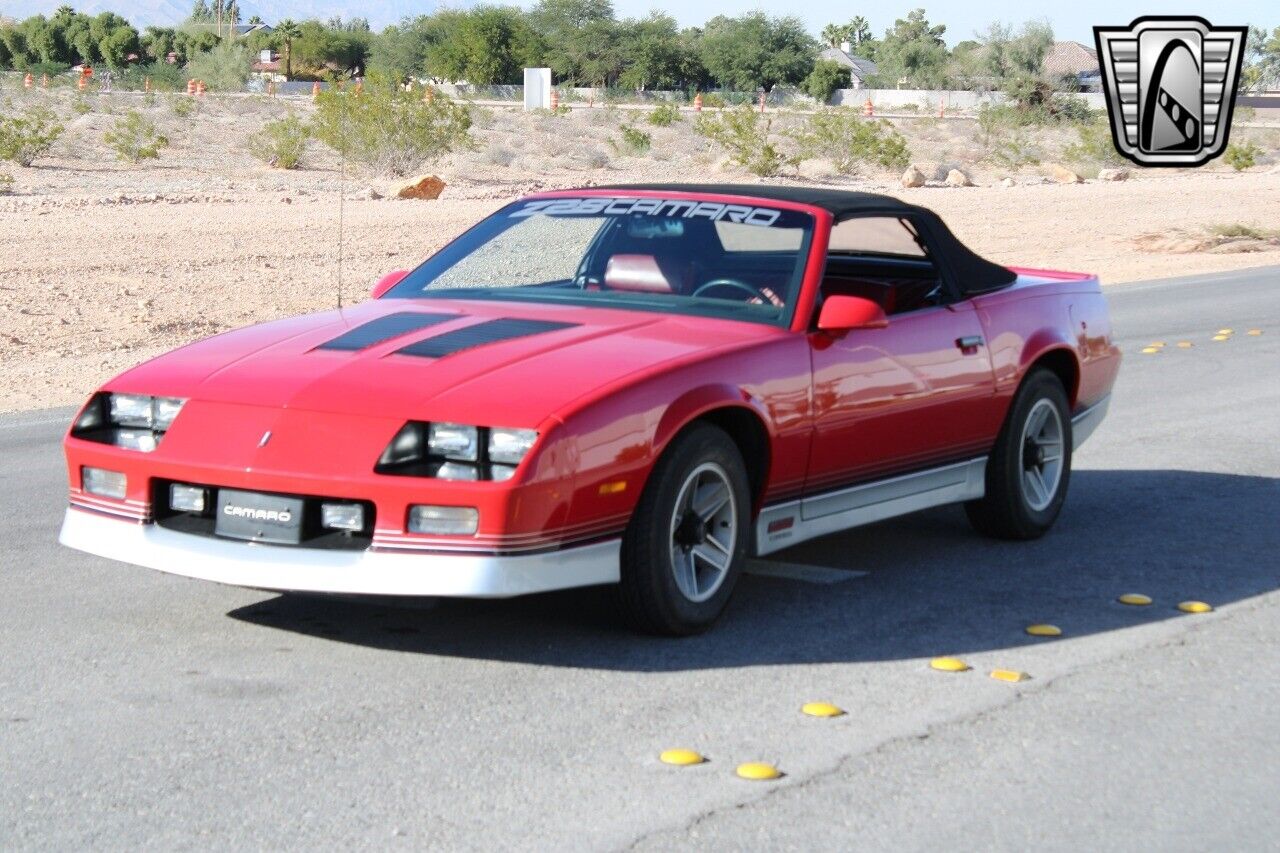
x,y
1013,507
650,599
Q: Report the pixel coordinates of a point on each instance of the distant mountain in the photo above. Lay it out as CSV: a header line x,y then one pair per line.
x,y
168,13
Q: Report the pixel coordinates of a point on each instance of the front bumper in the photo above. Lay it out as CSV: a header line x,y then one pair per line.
x,y
369,572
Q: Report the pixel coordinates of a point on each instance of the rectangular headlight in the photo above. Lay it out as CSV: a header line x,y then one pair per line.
x,y
136,439
509,446
447,520
186,498
107,484
166,409
454,441
131,410
342,516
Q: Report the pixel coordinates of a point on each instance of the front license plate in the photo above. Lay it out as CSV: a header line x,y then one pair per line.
x,y
259,518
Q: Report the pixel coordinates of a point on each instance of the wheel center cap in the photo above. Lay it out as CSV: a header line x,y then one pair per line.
x,y
691,531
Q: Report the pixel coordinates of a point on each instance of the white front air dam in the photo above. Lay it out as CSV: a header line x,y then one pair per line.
x,y
278,567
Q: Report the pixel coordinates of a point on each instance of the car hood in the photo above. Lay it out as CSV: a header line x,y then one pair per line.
x,y
552,357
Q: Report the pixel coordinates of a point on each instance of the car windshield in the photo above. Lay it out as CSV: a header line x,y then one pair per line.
x,y
674,255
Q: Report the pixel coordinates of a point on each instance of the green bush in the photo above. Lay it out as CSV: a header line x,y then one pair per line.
x,y
390,130
223,69
81,106
281,143
1241,157
847,140
1014,149
634,142
26,137
1095,145
163,76
6,183
824,79
182,105
664,115
714,101
135,138
745,135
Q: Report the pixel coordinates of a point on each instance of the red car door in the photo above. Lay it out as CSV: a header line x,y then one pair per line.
x,y
910,396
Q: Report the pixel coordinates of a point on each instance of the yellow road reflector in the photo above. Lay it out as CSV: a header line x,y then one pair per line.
x,y
1156,344
681,757
1185,345
1137,599
1044,630
1222,337
1008,675
1255,332
1150,350
949,664
1226,331
757,770
613,488
821,709
1194,607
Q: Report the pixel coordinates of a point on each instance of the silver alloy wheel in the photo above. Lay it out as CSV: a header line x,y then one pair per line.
x,y
704,532
1042,455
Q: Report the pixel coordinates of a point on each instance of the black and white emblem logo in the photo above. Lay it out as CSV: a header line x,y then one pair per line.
x,y
1170,85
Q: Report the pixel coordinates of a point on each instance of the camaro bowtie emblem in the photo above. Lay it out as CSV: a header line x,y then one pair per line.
x,y
1170,85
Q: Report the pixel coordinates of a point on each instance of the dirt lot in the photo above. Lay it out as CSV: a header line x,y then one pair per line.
x,y
103,264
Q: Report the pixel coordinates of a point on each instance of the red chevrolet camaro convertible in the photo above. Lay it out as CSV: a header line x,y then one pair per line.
x,y
635,385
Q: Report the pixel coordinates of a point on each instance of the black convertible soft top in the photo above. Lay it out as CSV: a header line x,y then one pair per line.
x,y
973,273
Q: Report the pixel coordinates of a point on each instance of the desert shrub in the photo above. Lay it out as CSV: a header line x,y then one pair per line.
x,y
1094,145
26,137
1014,149
847,140
281,143
390,130
824,79
634,142
1243,114
6,183
182,105
81,106
1241,157
909,107
499,155
745,135
226,68
1239,229
714,101
135,138
664,115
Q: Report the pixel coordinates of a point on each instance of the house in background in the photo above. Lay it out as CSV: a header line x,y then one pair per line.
x,y
859,69
269,66
1075,64
243,30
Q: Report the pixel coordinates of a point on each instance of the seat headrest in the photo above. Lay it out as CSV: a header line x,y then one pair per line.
x,y
645,274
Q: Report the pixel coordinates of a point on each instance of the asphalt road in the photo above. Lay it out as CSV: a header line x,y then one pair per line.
x,y
139,710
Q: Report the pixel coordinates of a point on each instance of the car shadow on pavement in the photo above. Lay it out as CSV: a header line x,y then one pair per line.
x,y
934,587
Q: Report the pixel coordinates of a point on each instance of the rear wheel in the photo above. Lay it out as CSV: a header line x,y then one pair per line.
x,y
687,540
1030,466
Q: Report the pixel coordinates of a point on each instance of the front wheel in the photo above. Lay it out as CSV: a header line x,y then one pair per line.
x,y
687,540
1030,466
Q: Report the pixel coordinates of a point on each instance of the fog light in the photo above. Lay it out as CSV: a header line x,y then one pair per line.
x,y
186,498
342,516
449,520
108,484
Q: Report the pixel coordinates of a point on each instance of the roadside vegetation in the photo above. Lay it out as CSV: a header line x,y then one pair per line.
x,y
135,138
26,137
281,143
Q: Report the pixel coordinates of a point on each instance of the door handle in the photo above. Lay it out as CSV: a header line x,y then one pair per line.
x,y
969,342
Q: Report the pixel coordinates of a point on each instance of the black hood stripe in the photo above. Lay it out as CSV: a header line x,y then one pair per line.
x,y
480,334
385,328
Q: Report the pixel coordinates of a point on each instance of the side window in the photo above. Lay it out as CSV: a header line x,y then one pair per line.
x,y
882,258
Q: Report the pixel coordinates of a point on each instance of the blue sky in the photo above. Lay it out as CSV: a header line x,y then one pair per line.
x,y
1072,20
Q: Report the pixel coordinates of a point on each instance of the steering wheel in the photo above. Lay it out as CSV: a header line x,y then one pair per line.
x,y
759,293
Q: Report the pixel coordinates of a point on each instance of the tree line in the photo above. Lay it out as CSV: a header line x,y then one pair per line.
x,y
584,42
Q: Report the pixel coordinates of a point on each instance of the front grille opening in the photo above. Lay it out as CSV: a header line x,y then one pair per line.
x,y
314,535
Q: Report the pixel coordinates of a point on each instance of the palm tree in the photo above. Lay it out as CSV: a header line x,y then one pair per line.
x,y
834,34
285,32
858,30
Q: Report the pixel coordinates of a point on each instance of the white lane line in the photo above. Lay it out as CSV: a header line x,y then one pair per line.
x,y
801,572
